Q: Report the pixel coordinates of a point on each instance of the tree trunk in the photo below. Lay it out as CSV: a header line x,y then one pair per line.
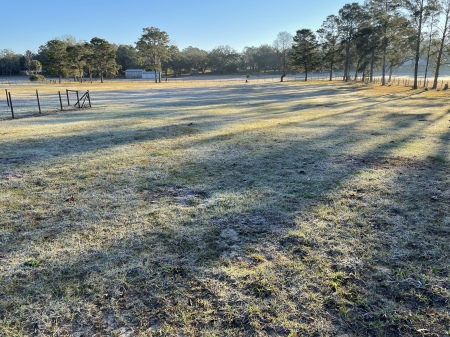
x,y
426,70
372,63
419,35
284,68
347,62
356,70
441,49
331,65
428,55
383,69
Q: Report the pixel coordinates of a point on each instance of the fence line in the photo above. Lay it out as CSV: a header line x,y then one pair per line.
x,y
16,105
400,80
404,81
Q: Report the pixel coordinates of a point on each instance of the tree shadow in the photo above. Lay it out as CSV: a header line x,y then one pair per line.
x,y
263,230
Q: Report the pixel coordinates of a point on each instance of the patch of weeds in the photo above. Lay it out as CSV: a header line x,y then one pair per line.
x,y
257,257
174,271
253,310
32,263
262,287
440,159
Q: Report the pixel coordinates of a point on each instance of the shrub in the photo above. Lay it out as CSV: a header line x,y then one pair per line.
x,y
37,77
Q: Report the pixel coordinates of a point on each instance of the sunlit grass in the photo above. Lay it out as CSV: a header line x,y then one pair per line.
x,y
301,209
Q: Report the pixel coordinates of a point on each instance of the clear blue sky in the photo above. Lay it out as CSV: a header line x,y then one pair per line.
x,y
206,24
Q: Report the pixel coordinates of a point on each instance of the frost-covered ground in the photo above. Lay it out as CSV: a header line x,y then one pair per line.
x,y
228,209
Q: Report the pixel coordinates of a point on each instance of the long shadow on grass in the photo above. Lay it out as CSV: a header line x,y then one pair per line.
x,y
260,236
163,102
132,131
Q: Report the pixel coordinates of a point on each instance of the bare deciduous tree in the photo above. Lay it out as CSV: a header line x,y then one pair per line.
x,y
283,46
445,31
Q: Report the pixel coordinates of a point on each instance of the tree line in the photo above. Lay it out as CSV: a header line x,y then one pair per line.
x,y
378,35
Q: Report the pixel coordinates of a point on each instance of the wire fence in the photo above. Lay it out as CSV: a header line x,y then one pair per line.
x,y
404,80
17,105
24,81
408,82
398,81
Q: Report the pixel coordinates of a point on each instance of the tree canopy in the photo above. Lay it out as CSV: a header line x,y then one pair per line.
x,y
56,58
305,52
153,47
104,62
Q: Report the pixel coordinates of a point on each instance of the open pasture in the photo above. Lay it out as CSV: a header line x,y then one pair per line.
x,y
249,209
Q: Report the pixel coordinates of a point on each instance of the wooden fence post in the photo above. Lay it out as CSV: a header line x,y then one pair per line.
x,y
39,104
89,98
78,100
60,100
11,105
7,99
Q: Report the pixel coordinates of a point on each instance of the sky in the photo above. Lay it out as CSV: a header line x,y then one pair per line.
x,y
205,24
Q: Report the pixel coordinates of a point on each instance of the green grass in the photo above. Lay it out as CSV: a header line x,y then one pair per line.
x,y
228,210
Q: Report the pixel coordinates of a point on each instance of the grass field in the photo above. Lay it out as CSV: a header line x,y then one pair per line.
x,y
249,209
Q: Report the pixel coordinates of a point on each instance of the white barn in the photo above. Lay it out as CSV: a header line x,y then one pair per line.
x,y
141,73
133,73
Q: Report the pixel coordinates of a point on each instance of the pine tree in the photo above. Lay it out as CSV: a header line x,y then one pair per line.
x,y
154,48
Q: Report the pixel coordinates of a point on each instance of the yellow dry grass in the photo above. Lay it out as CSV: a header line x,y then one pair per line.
x,y
258,209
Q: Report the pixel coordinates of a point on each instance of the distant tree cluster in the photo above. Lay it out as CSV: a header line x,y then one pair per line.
x,y
69,58
378,35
